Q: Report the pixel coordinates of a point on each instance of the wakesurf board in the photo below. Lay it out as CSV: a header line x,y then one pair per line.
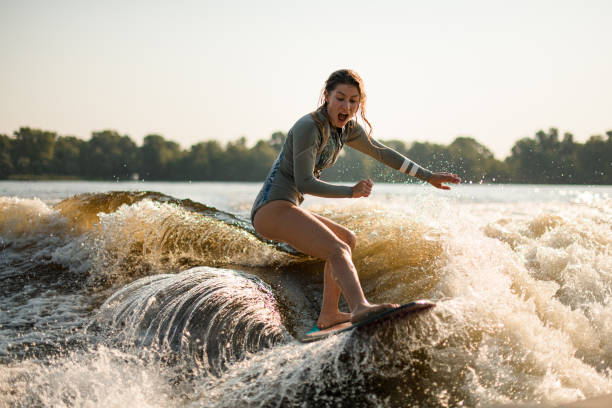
x,y
404,310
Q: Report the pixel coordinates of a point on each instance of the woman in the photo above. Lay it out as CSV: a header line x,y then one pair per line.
x,y
312,145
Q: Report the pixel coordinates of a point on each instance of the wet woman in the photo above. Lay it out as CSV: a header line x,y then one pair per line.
x,y
312,145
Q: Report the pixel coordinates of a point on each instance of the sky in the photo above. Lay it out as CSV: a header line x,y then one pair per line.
x,y
494,70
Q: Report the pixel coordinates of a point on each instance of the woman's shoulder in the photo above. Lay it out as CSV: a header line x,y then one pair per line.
x,y
306,119
308,124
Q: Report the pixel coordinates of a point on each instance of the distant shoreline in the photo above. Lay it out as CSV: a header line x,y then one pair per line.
x,y
547,158
44,177
51,177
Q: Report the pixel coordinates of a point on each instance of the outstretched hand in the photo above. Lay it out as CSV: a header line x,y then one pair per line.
x,y
363,188
437,179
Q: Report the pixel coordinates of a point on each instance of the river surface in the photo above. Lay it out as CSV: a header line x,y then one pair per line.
x,y
160,295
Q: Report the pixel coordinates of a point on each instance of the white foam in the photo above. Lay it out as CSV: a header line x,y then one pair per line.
x,y
100,377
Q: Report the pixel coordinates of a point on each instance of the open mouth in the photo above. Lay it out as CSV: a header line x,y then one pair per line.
x,y
342,117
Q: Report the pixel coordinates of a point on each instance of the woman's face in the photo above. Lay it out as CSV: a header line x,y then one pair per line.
x,y
342,104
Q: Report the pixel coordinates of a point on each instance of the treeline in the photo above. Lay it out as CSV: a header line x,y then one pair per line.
x,y
545,158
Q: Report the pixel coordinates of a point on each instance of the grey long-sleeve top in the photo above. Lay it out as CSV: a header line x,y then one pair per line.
x,y
299,164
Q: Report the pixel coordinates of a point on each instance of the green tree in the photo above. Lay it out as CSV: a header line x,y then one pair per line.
x,y
567,172
159,159
594,160
235,161
608,156
260,159
520,162
6,164
544,159
471,158
202,161
108,155
430,155
66,158
33,150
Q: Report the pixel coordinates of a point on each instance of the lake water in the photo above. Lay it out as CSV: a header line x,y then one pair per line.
x,y
159,295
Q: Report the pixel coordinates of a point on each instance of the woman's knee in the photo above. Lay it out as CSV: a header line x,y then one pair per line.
x,y
339,249
350,239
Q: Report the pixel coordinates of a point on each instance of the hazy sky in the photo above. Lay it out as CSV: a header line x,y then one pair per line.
x,y
199,70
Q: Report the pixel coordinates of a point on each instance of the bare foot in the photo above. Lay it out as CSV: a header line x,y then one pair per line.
x,y
364,311
329,320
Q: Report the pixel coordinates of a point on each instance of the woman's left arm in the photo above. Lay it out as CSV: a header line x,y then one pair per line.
x,y
360,141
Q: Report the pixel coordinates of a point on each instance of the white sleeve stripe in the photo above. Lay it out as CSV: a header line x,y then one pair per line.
x,y
414,169
405,165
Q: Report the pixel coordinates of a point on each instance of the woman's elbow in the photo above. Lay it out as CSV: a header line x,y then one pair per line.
x,y
303,185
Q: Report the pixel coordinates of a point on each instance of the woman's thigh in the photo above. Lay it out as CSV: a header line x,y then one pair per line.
x,y
284,221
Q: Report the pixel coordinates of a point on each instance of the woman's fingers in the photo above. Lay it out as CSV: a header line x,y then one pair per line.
x,y
363,188
449,178
367,186
438,178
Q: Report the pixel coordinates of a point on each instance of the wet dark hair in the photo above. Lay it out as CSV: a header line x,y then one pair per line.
x,y
340,77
